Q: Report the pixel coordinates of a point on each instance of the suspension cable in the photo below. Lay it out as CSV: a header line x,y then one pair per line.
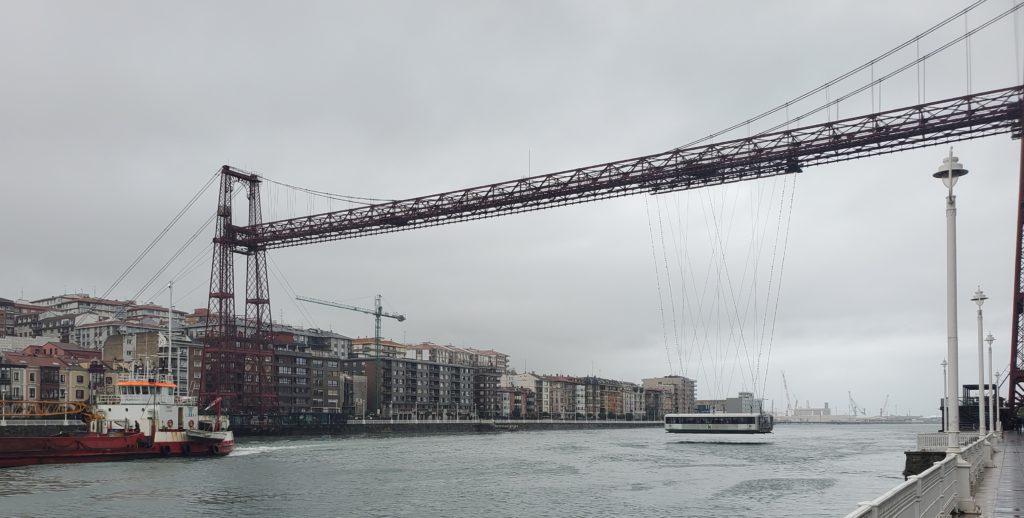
x,y
162,233
336,197
840,78
657,278
778,290
896,72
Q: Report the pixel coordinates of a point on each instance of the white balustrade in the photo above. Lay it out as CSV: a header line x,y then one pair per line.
x,y
939,441
934,491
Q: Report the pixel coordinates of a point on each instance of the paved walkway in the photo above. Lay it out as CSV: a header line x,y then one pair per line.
x,y
1000,493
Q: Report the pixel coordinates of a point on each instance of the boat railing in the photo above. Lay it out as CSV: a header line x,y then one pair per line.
x,y
939,441
41,422
108,399
931,493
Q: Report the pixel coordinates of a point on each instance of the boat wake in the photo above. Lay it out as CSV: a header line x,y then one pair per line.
x,y
242,451
753,442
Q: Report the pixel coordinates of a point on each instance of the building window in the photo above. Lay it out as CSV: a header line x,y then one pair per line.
x,y
32,393
32,378
80,379
79,394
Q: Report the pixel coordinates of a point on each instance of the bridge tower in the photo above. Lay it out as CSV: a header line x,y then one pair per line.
x,y
1016,378
238,357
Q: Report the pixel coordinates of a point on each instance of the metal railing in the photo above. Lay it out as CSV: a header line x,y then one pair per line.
x,y
43,422
931,493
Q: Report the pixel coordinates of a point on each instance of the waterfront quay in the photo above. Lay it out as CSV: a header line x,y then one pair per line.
x,y
427,426
984,477
1000,492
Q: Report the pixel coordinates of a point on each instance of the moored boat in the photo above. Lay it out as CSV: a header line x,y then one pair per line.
x,y
142,419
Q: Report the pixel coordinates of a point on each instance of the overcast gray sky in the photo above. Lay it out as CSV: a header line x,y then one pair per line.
x,y
112,115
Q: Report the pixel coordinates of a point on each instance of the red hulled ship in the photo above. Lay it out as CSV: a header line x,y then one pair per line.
x,y
142,419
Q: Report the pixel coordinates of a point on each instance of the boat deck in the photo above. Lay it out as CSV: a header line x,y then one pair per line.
x,y
1000,492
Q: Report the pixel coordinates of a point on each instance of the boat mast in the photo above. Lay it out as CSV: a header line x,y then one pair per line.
x,y
170,317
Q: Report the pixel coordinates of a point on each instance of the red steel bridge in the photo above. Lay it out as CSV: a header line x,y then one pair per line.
x,y
238,358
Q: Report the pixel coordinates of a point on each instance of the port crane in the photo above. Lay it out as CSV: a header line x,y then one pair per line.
x,y
789,400
885,407
855,409
377,312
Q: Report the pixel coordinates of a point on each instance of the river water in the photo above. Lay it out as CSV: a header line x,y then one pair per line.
x,y
800,470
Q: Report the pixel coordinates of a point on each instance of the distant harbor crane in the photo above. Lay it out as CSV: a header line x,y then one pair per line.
x,y
377,312
855,409
785,385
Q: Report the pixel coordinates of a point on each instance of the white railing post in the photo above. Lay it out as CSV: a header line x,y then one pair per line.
x,y
964,501
917,494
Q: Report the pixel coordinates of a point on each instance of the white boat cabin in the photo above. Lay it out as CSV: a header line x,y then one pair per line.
x,y
748,423
146,406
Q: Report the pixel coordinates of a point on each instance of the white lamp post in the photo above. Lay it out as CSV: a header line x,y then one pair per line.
x,y
999,422
993,393
945,398
979,299
949,171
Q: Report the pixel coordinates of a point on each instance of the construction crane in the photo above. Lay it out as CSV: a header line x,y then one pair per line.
x,y
885,407
785,385
377,312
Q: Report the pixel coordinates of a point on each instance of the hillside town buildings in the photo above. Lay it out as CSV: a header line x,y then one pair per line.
x,y
73,347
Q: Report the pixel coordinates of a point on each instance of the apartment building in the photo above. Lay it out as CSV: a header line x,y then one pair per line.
x,y
405,388
12,380
678,393
516,403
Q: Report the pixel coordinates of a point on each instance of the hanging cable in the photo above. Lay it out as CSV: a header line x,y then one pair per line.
x,y
202,228
1016,45
657,279
778,290
203,257
331,196
896,72
668,277
841,77
281,278
160,235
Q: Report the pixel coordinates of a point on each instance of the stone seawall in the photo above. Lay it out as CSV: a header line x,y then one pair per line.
x,y
413,427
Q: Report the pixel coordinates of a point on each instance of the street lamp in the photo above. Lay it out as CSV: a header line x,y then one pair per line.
x,y
979,299
993,393
945,398
949,171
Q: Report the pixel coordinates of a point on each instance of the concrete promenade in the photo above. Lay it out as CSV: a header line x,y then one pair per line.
x,y
1000,492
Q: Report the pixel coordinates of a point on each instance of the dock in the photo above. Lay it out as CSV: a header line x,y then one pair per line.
x,y
1000,491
